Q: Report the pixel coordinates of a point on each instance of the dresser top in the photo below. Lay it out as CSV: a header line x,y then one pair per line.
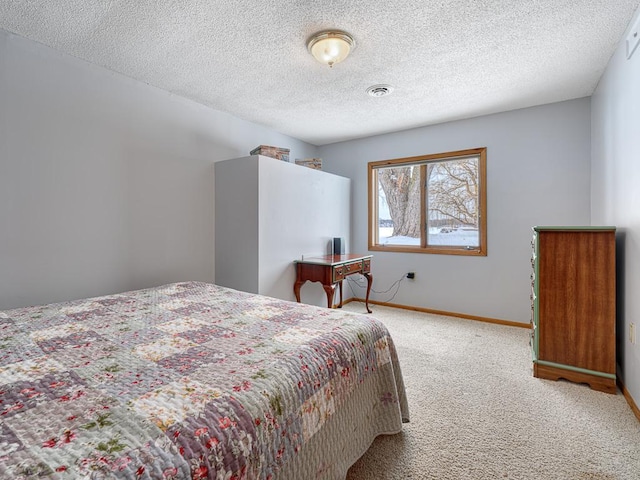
x,y
578,228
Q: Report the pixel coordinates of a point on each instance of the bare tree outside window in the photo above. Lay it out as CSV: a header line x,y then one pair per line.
x,y
430,204
401,191
452,201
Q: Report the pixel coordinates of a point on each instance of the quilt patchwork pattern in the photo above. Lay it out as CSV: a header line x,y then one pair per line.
x,y
188,380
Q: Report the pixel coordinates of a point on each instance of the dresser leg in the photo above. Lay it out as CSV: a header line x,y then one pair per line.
x,y
595,382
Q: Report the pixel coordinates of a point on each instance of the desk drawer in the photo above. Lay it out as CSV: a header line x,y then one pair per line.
x,y
366,265
346,269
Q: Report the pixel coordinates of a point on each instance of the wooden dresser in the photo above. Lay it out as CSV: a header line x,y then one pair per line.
x,y
573,302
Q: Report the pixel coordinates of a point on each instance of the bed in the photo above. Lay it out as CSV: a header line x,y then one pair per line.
x,y
193,380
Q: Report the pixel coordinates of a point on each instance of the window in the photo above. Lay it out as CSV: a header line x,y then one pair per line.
x,y
429,204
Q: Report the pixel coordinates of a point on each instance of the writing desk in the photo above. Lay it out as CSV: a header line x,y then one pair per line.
x,y
331,270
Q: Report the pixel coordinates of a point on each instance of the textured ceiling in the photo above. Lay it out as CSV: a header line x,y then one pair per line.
x,y
446,59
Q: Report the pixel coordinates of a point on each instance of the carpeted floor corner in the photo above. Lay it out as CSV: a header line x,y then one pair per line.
x,y
477,412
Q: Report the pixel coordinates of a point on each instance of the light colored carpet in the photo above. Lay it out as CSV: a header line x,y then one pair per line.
x,y
477,412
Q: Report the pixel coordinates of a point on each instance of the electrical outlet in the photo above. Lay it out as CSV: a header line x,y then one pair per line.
x,y
632,333
633,39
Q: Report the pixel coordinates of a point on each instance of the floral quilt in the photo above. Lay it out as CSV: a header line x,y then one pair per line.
x,y
192,380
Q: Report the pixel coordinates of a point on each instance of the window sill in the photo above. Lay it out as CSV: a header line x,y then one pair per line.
x,y
476,252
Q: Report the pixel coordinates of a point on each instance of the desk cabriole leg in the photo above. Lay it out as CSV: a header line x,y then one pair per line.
x,y
296,290
330,290
340,306
369,278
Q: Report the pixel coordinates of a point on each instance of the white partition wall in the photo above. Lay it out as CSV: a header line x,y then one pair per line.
x,y
268,214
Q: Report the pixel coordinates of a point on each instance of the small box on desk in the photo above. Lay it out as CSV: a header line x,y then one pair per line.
x,y
273,152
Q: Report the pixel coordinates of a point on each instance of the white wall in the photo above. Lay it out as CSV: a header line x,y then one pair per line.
x,y
301,210
270,213
106,183
538,173
615,191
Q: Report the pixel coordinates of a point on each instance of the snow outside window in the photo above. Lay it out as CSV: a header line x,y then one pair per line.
x,y
429,204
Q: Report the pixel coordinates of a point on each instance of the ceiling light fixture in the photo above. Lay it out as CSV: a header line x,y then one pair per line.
x,y
379,90
330,46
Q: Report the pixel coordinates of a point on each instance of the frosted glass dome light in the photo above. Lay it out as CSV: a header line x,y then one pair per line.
x,y
330,46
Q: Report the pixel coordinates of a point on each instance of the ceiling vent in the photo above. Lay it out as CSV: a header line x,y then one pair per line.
x,y
379,90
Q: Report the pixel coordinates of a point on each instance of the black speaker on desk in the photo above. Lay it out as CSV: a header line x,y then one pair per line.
x,y
338,246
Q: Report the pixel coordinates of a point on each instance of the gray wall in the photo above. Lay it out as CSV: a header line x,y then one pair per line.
x,y
106,183
538,172
615,190
236,224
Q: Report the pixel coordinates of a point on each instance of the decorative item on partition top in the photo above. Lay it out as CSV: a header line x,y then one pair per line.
x,y
273,152
315,163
